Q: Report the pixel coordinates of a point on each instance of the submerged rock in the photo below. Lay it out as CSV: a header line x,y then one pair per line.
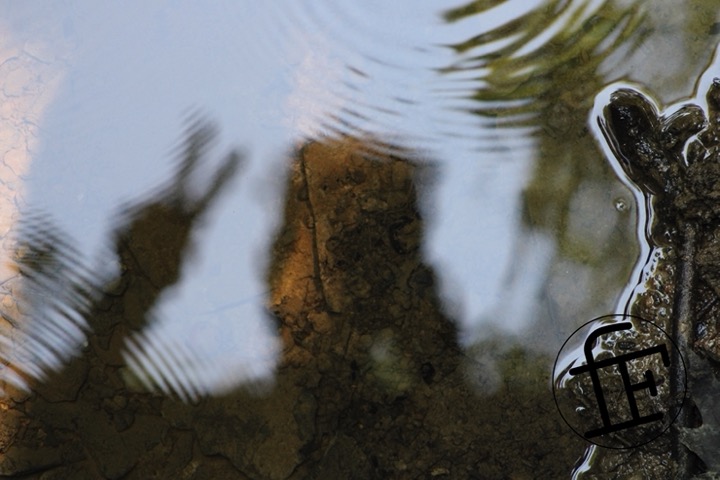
x,y
674,159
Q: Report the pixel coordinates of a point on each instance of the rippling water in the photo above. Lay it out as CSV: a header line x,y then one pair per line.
x,y
103,180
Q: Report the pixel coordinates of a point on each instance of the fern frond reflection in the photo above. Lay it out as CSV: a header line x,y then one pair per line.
x,y
551,52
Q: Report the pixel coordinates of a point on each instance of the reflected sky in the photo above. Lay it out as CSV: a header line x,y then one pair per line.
x,y
101,90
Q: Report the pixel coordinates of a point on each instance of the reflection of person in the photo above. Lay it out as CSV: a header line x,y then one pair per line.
x,y
59,295
383,379
155,236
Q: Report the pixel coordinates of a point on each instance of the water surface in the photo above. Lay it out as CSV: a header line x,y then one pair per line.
x,y
230,310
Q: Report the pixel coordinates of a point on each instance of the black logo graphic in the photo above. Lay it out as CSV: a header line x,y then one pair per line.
x,y
612,381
